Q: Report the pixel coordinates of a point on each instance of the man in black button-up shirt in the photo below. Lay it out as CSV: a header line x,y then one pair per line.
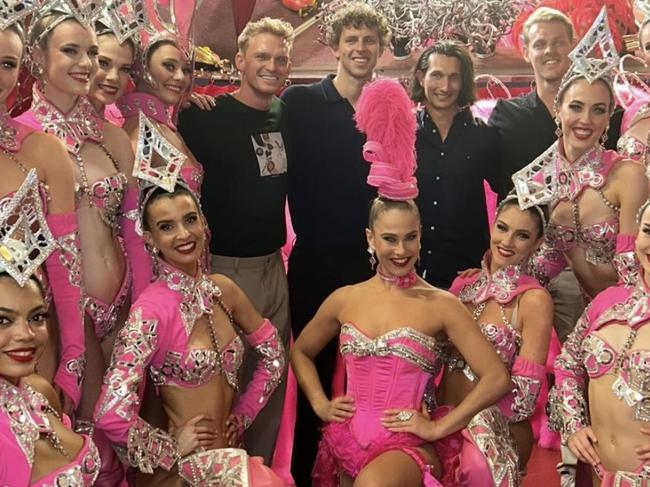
x,y
455,153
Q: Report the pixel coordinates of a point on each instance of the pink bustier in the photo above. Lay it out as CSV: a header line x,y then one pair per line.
x,y
389,371
106,194
598,240
631,148
23,420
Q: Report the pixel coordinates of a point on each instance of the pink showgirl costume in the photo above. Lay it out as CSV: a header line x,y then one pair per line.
x,y
567,181
63,270
395,369
484,454
586,355
25,418
156,340
79,126
389,371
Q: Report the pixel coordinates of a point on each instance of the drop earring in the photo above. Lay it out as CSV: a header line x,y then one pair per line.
x,y
372,259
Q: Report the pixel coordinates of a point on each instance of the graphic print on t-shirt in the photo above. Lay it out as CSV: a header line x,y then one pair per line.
x,y
271,157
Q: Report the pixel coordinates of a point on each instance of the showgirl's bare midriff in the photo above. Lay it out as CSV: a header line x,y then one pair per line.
x,y
612,420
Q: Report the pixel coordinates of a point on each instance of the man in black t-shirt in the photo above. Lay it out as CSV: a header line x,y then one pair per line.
x,y
241,143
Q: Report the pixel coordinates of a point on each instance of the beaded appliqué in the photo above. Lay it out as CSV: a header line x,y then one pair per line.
x,y
223,466
525,391
196,368
74,128
19,406
70,257
489,430
8,131
386,344
83,474
630,147
500,286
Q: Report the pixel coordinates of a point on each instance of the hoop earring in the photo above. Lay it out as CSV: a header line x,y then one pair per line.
x,y
372,259
558,128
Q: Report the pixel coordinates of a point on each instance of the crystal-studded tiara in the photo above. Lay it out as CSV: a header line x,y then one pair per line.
x,y
13,11
123,18
83,11
25,238
585,64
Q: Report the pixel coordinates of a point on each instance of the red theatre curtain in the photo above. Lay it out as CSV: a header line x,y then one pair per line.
x,y
242,11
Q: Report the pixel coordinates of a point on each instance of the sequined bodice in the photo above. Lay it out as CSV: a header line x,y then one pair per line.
x,y
389,371
195,367
631,148
26,413
81,472
598,240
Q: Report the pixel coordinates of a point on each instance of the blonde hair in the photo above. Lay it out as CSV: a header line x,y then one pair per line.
x,y
357,15
266,25
546,14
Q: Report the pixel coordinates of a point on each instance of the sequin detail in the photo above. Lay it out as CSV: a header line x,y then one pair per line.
x,y
82,474
500,286
223,466
598,240
631,148
106,195
356,343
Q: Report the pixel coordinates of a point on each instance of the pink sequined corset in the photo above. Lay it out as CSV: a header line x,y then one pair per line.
x,y
390,371
195,367
81,472
193,176
598,240
631,148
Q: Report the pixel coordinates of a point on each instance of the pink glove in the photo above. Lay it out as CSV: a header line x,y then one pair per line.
x,y
527,377
136,252
267,375
64,273
546,263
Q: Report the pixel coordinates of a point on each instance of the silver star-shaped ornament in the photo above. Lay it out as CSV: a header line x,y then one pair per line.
x,y
153,147
125,18
84,11
25,238
12,11
536,183
599,35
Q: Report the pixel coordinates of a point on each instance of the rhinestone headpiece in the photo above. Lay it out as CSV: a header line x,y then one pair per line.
x,y
171,20
157,161
593,68
123,18
13,11
83,11
25,238
536,183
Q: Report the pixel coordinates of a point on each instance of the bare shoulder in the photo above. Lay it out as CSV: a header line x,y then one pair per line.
x,y
45,147
536,299
628,170
224,283
116,135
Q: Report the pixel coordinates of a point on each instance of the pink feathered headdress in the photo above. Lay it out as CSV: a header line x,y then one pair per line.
x,y
385,115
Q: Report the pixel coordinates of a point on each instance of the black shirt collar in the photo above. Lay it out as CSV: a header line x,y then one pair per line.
x,y
330,93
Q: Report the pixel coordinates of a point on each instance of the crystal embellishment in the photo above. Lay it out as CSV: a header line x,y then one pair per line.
x,y
125,18
25,238
12,11
162,170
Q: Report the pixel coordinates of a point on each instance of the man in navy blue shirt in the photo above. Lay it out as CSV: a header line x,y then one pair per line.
x,y
328,195
455,153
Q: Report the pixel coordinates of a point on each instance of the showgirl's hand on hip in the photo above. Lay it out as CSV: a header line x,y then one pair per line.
x,y
581,443
418,423
643,451
235,427
337,410
191,436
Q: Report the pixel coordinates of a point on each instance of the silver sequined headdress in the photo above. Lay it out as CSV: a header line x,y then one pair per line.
x,y
25,238
122,18
157,164
83,11
14,11
585,64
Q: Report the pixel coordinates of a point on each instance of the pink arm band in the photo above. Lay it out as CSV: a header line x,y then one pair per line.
x,y
546,263
270,367
64,274
625,261
136,252
526,383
